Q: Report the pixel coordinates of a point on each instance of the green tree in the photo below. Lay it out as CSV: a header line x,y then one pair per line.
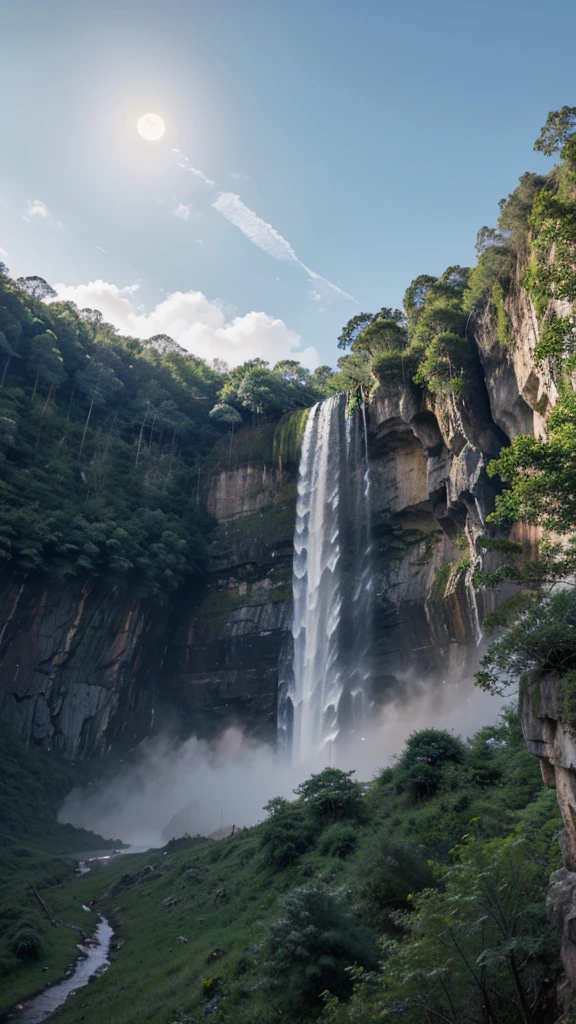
x,y
542,474
45,360
476,949
421,766
447,366
286,833
352,329
558,130
542,636
332,795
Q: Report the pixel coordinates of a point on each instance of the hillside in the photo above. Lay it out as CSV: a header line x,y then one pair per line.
x,y
35,851
454,822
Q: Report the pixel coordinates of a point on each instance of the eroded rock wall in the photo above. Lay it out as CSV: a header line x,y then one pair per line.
x,y
83,668
77,665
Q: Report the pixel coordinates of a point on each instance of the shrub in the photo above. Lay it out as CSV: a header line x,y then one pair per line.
x,y
27,944
447,366
285,834
421,765
311,946
209,987
503,322
555,336
390,873
338,840
542,638
396,369
332,795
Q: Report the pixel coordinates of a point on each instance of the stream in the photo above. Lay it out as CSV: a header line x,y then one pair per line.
x,y
95,962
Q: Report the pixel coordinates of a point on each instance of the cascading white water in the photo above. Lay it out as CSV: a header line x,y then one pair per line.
x,y
324,691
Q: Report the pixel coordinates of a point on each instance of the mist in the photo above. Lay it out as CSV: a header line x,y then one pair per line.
x,y
172,788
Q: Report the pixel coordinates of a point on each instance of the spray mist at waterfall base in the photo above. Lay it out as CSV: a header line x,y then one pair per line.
x,y
172,788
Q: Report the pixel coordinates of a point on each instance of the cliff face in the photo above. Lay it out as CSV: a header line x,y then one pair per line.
x,y
75,665
224,644
83,668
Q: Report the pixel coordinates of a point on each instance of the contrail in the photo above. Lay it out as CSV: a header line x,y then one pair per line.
x,y
259,232
265,236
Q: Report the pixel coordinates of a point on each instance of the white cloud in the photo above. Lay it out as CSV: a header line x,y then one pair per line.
x,y
184,162
267,238
182,211
101,249
3,254
201,326
37,210
237,176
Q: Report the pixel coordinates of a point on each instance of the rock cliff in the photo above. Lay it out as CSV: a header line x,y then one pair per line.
x,y
84,669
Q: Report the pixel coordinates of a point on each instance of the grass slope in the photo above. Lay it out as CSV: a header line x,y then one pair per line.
x,y
35,852
224,896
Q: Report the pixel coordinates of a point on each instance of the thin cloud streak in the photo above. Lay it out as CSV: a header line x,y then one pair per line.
x,y
266,237
185,164
258,231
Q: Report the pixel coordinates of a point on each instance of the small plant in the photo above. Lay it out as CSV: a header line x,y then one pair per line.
x,y
555,337
503,322
209,987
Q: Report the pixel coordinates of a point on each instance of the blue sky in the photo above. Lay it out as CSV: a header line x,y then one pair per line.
x,y
374,137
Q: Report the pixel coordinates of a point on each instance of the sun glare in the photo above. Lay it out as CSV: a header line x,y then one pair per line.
x,y
151,127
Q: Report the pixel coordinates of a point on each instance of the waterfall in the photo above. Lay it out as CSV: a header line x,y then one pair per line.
x,y
324,690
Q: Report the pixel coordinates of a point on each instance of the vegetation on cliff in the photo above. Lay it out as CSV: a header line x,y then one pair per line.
x,y
540,623
103,440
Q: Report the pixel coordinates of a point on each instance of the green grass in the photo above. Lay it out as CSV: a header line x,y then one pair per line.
x,y
154,978
35,852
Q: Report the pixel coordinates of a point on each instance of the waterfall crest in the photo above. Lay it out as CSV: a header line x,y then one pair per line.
x,y
325,688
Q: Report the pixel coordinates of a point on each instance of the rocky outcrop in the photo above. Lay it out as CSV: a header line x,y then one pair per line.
x,y
520,391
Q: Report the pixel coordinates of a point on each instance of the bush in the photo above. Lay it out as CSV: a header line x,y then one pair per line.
x,y
311,946
555,337
503,322
332,795
338,840
285,834
426,754
390,872
396,369
542,638
27,944
447,366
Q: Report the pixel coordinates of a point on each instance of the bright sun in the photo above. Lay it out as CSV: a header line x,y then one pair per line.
x,y
151,127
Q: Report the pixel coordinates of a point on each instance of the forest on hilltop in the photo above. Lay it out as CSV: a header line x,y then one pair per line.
x,y
103,437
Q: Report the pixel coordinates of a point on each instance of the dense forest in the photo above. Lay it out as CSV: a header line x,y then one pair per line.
x,y
103,439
